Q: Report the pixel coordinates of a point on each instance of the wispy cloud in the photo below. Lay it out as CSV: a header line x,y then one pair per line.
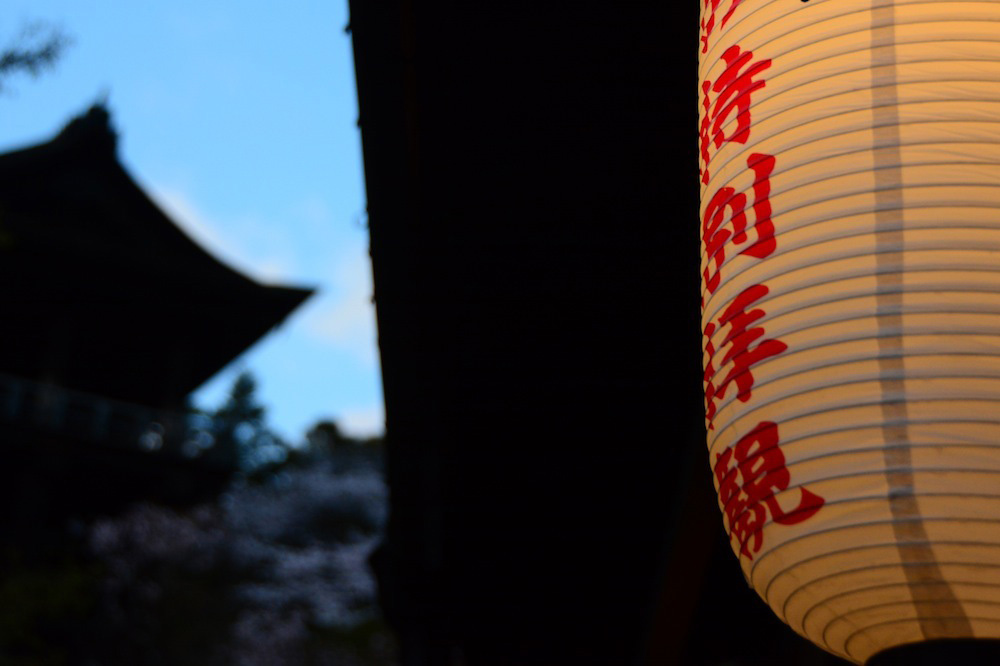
x,y
363,422
345,319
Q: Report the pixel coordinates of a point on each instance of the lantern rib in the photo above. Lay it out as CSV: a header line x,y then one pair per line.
x,y
867,272
769,298
874,449
822,120
847,406
863,498
853,526
875,424
853,405
706,258
868,169
881,469
765,300
823,137
803,620
778,113
713,56
831,431
884,545
917,621
726,401
872,425
785,250
879,496
780,72
870,313
858,359
885,586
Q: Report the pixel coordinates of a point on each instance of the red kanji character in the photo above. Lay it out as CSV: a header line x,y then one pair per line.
x,y
760,465
740,338
709,374
708,25
734,87
763,167
715,235
744,518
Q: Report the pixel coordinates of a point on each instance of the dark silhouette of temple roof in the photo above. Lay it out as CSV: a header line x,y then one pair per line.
x,y
111,315
102,292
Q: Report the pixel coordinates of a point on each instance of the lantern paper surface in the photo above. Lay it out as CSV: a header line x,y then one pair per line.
x,y
850,169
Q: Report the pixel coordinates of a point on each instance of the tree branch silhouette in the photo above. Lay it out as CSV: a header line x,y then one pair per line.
x,y
38,48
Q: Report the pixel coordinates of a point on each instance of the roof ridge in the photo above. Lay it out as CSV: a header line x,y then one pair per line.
x,y
92,128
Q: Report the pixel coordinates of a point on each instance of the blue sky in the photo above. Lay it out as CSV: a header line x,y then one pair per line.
x,y
239,118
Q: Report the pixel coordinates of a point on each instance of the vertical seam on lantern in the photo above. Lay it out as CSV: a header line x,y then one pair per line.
x,y
939,612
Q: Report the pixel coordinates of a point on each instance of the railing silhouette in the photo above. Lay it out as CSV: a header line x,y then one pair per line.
x,y
58,411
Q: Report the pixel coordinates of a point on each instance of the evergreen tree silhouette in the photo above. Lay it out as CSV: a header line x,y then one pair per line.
x,y
238,426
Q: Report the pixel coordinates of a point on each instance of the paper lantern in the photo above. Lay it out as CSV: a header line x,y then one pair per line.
x,y
850,165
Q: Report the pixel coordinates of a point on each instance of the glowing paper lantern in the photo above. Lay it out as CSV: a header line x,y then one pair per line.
x,y
850,162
